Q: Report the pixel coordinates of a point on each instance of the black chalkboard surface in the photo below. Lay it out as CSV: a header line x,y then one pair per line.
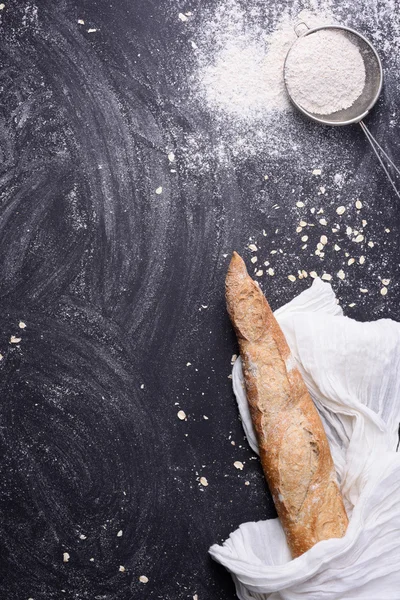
x,y
123,194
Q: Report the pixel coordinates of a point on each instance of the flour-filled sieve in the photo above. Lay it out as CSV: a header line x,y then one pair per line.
x,y
363,104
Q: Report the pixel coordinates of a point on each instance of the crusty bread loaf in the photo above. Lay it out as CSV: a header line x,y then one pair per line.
x,y
294,449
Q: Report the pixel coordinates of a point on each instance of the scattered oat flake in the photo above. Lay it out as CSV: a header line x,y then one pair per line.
x,y
384,291
336,247
351,261
385,281
299,229
326,277
143,579
322,189
247,483
291,278
320,246
341,274
324,239
82,537
358,204
1,357
253,247
317,172
387,230
303,224
271,272
182,17
323,222
238,465
334,230
363,222
349,230
91,559
363,290
92,30
304,273
181,415
361,260
142,386
300,204
195,597
203,481
254,259
304,238
66,557
352,305
313,274
371,244
119,534
359,238
266,263
171,156
80,21
122,569
341,210
259,273
15,340
159,190
21,325
233,358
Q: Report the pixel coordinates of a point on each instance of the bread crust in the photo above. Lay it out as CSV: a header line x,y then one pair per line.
x,y
294,449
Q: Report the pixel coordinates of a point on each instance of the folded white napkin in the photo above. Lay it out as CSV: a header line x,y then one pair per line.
x,y
352,371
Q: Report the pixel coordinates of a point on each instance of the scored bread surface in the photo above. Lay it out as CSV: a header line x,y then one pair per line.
x,y
294,449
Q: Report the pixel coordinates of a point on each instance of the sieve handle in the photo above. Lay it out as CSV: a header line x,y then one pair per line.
x,y
377,148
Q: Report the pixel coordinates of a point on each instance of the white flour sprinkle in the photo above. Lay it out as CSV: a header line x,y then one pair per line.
x,y
325,72
246,77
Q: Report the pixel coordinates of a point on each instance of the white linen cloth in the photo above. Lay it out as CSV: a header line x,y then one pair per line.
x,y
352,371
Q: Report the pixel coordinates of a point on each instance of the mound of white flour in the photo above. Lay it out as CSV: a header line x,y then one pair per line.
x,y
325,72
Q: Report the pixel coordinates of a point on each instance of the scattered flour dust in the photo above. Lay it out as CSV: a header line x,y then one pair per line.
x,y
245,77
325,72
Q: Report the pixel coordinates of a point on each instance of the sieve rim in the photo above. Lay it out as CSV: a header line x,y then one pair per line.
x,y
326,121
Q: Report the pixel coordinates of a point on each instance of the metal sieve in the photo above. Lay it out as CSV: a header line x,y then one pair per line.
x,y
364,103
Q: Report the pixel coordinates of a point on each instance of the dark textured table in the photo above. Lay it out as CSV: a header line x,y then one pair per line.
x,y
114,257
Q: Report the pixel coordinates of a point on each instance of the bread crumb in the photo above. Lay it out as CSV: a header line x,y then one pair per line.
x,y
313,274
317,172
363,222
92,30
205,417
304,273
291,278
159,190
323,222
203,481
336,247
341,210
254,259
82,537
271,271
384,291
358,204
252,247
341,274
326,277
143,579
238,465
15,340
351,261
259,273
195,597
349,230
300,204
324,239
66,557
363,290
371,244
352,304
182,17
322,189
91,559
247,483
119,534
122,569
387,230
181,415
21,325
233,358
320,246
171,156
385,281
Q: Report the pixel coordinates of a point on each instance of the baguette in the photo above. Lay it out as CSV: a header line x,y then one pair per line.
x,y
293,446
